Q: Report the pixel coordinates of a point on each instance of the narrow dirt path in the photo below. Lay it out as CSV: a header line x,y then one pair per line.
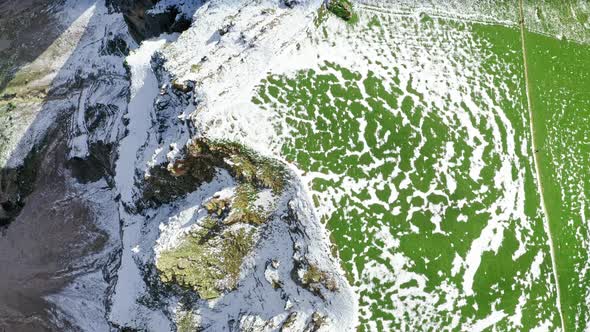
x,y
536,162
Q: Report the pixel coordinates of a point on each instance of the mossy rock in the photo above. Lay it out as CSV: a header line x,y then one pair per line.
x,y
243,209
208,259
237,246
341,8
316,322
250,217
313,278
186,322
245,195
205,261
244,167
290,321
195,68
313,275
242,162
217,206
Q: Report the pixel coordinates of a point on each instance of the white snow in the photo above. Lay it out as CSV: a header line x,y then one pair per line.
x,y
144,89
129,288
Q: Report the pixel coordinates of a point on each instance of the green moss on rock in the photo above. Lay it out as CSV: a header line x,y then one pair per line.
x,y
243,208
320,16
316,322
313,274
237,245
289,322
186,322
246,194
206,261
341,8
314,279
242,162
247,217
217,206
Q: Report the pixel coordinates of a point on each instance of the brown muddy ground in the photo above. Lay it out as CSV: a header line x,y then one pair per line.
x,y
54,229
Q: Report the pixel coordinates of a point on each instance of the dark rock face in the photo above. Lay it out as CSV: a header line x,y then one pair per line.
x,y
116,46
27,28
291,3
15,185
163,187
143,25
99,164
49,204
52,231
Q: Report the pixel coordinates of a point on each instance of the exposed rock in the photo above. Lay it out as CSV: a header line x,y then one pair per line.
x,y
97,165
291,3
182,176
47,244
341,8
271,274
187,322
185,87
289,322
208,260
165,184
34,26
316,280
218,206
316,322
225,28
16,184
254,323
143,24
116,46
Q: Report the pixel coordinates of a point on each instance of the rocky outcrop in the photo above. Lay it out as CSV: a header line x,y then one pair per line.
x,y
341,8
16,184
163,227
144,24
208,259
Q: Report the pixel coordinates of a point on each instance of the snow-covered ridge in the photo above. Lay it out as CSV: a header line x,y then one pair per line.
x,y
228,50
279,284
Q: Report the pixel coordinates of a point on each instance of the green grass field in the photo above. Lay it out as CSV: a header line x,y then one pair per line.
x,y
420,161
560,90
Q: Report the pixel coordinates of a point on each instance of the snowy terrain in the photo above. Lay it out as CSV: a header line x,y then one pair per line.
x,y
162,134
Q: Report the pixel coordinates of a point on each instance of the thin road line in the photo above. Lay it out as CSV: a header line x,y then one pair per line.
x,y
536,162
